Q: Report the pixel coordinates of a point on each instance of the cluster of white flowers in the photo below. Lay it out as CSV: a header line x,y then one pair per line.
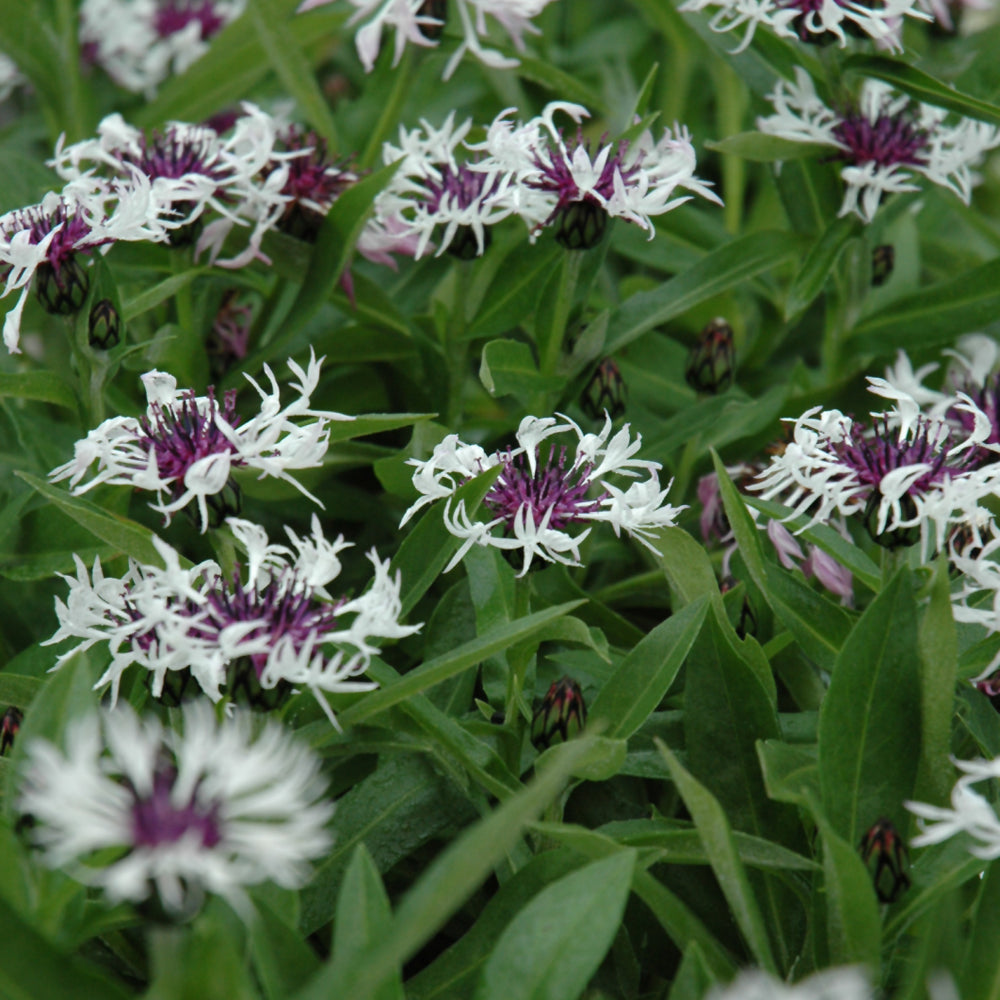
x,y
186,446
884,141
139,43
537,498
530,170
277,617
421,23
139,811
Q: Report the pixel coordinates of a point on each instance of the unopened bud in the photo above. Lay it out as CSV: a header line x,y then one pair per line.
x,y
9,725
883,845
891,538
62,288
104,325
883,261
561,713
605,392
581,225
712,359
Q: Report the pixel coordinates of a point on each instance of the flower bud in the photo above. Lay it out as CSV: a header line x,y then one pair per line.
x,y
712,360
62,288
437,9
883,261
895,538
581,225
9,725
605,392
562,712
883,844
104,325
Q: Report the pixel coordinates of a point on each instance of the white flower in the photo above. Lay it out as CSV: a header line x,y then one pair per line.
x,y
272,625
10,77
540,495
139,43
828,20
884,141
421,28
139,810
186,446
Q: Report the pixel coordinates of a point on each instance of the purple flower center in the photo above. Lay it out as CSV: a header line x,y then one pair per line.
x,y
551,488
873,457
157,820
312,176
557,174
176,15
173,156
181,434
887,141
72,227
462,187
280,607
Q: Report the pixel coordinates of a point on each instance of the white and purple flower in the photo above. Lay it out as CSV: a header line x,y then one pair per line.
x,y
884,141
256,634
186,447
141,811
542,498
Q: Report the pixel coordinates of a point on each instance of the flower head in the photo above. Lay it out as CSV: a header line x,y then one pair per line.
x,y
909,476
45,246
421,23
139,43
544,494
186,446
844,982
139,811
270,624
577,188
817,21
883,141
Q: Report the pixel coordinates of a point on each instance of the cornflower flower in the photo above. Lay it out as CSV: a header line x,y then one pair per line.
x,y
141,811
186,446
883,140
267,628
540,498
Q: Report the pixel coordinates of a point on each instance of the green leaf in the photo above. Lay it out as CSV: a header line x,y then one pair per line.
x,y
819,626
869,722
283,960
363,918
18,690
635,689
456,972
555,944
515,289
819,262
791,773
451,878
31,967
673,915
283,52
763,148
932,317
372,423
853,927
507,368
922,86
427,549
603,762
126,536
442,667
46,387
686,565
980,972
731,264
938,644
714,830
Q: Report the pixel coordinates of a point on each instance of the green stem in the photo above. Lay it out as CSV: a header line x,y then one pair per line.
x,y
552,329
518,658
731,106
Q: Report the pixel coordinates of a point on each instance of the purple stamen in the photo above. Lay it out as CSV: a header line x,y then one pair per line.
x,y
156,820
73,229
551,488
181,434
462,187
890,140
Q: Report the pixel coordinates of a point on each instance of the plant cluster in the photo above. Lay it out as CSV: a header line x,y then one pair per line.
x,y
500,499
